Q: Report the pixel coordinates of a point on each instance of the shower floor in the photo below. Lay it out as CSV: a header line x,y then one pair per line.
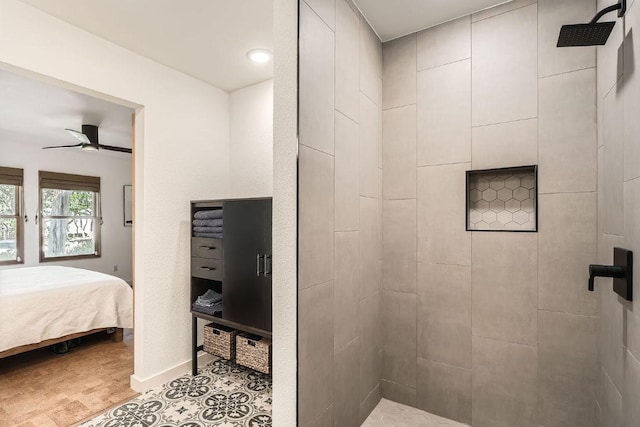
x,y
389,413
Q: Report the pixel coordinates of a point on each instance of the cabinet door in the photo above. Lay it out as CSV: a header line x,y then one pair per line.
x,y
267,277
243,293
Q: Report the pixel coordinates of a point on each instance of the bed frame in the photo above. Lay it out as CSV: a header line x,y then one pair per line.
x,y
115,337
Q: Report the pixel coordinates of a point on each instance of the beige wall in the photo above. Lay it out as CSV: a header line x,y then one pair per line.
x,y
340,213
619,218
492,329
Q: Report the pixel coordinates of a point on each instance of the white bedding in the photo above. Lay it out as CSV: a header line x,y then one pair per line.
x,y
41,303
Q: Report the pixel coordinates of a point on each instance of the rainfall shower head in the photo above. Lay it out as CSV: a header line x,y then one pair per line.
x,y
592,34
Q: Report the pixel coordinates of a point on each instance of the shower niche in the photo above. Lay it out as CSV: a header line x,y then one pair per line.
x,y
504,199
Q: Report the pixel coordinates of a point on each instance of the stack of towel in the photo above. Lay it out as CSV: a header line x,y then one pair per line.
x,y
209,303
208,223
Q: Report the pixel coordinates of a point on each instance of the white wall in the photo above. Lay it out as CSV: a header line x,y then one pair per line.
x,y
114,171
181,155
251,134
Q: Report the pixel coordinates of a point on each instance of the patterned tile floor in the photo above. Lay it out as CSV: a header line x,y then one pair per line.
x,y
392,414
223,394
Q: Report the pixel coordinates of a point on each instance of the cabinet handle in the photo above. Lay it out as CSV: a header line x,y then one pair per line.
x,y
209,248
207,268
267,265
258,272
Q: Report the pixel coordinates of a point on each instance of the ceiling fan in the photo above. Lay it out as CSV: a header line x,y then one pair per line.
x,y
89,141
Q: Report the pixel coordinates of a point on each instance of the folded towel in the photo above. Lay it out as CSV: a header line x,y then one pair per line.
x,y
210,214
211,311
209,235
209,298
207,229
207,222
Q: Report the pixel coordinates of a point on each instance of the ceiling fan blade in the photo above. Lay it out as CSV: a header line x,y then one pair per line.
x,y
113,148
62,146
79,136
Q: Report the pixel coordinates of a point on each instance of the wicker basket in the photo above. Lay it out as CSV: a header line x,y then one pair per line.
x,y
253,352
220,340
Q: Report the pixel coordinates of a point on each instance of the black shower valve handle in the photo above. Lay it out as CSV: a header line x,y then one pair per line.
x,y
598,270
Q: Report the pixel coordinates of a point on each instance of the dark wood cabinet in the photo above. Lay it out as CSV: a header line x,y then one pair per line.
x,y
238,266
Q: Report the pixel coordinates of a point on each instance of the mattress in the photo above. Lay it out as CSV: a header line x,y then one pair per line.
x,y
41,303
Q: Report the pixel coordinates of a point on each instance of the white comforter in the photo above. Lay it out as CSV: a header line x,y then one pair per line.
x,y
41,303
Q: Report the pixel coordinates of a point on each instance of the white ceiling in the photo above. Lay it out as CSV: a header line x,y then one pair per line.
x,y
395,18
207,39
35,112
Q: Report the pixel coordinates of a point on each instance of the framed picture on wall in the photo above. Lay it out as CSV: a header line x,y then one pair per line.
x,y
127,205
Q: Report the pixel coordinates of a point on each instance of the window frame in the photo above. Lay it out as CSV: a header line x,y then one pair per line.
x,y
64,181
15,177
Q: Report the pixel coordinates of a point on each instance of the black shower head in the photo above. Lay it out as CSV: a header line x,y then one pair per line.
x,y
585,34
592,34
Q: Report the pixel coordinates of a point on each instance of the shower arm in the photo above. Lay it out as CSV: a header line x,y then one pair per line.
x,y
617,6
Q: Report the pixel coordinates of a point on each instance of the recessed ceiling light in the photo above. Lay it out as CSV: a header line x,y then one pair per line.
x,y
259,56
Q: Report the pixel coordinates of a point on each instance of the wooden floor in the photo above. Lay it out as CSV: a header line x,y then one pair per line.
x,y
42,389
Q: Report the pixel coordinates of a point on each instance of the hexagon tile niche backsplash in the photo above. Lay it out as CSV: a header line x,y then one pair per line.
x,y
502,199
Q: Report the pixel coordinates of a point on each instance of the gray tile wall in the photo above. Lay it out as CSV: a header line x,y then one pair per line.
x,y
618,201
340,356
505,329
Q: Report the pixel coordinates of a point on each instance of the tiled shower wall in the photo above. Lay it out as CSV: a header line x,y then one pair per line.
x,y
619,218
491,328
340,215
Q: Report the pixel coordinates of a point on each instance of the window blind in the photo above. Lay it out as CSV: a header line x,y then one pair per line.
x,y
63,181
11,176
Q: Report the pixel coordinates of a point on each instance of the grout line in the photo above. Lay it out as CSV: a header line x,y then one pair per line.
x,y
445,164
399,106
499,14
505,122
319,17
595,316
566,72
445,364
504,341
317,149
419,70
344,115
567,192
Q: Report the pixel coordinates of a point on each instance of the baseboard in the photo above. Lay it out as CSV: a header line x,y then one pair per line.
x,y
141,385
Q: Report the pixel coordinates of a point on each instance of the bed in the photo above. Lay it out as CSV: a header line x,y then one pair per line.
x,y
41,306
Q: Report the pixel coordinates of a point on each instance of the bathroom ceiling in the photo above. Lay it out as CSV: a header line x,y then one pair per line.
x,y
207,39
33,112
393,19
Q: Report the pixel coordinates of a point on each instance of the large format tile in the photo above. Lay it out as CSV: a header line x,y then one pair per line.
x,y
398,393
504,286
567,132
610,57
315,347
567,245
326,10
399,153
611,403
444,114
325,419
346,404
444,43
346,294
504,71
316,74
347,174
631,51
567,369
441,202
399,337
444,314
612,173
505,144
370,403
399,72
370,63
370,246
444,390
500,9
632,226
347,97
370,147
611,334
504,384
631,391
552,14
399,245
315,217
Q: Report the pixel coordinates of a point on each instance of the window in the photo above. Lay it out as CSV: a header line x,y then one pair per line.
x,y
70,216
11,223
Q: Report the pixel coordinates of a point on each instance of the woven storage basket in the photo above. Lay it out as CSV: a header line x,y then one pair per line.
x,y
220,340
253,352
